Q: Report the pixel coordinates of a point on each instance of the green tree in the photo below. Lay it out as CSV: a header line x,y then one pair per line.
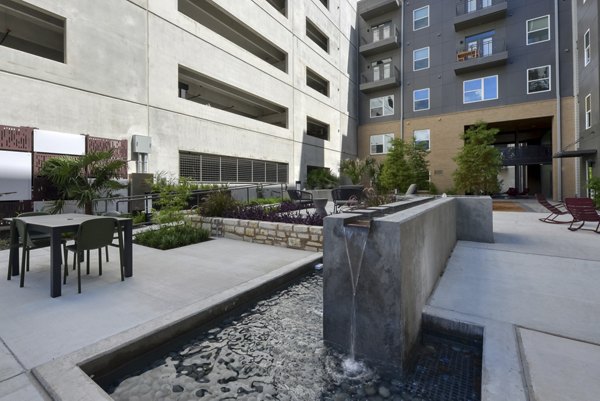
x,y
418,165
395,172
83,178
479,162
594,186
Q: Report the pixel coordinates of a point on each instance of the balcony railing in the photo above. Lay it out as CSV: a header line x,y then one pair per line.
x,y
472,13
374,8
372,43
532,154
471,6
371,81
479,55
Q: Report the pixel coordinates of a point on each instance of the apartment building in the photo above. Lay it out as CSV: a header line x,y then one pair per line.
x,y
215,90
506,62
585,148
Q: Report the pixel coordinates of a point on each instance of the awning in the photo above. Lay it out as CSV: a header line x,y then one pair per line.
x,y
575,153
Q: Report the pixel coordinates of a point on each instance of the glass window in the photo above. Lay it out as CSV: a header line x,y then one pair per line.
x,y
421,59
480,89
381,69
538,79
382,106
420,18
421,99
422,138
538,30
586,48
381,31
381,144
588,111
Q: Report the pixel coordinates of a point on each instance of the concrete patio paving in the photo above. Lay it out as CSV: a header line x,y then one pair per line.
x,y
535,290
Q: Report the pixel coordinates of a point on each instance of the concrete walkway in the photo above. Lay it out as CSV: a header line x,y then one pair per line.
x,y
35,329
535,291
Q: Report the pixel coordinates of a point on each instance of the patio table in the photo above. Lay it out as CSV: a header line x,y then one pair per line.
x,y
57,224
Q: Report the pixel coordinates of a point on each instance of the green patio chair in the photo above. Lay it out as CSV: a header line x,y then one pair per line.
x,y
93,234
30,240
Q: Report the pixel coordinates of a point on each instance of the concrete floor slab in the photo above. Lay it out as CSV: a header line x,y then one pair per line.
x,y
9,366
21,388
551,359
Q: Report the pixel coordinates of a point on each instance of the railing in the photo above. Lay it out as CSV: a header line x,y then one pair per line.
x,y
532,154
371,77
480,49
470,6
370,36
244,193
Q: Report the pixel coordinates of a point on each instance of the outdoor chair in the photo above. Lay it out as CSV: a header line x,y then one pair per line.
x,y
115,237
92,234
346,196
554,210
30,240
583,211
303,199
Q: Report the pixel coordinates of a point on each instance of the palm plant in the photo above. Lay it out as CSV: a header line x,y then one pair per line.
x,y
83,178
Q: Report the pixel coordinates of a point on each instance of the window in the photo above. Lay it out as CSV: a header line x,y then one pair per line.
x,y
205,90
382,69
586,48
538,79
421,59
381,144
382,106
421,137
325,3
279,5
588,111
538,30
482,43
381,31
317,36
421,99
317,82
317,128
217,19
480,89
32,30
420,18
471,5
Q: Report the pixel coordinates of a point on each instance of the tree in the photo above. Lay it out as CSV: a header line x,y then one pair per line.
x,y
395,172
83,178
418,165
479,162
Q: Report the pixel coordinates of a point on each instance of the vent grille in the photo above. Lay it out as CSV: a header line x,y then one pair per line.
x,y
205,167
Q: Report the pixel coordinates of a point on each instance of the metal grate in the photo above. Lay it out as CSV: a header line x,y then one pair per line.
x,y
214,168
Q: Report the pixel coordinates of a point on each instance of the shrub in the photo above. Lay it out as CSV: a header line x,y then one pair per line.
x,y
594,186
321,178
285,213
169,237
218,204
265,201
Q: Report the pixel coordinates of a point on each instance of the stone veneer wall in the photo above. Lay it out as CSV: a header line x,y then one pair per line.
x,y
295,236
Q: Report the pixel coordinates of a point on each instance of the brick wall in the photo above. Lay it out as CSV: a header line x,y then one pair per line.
x,y
295,236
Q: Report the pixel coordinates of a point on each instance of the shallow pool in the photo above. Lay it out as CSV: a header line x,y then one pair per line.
x,y
275,351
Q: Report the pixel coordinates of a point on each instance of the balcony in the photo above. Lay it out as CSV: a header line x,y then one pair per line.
x,y
372,44
369,9
470,13
532,154
372,81
484,54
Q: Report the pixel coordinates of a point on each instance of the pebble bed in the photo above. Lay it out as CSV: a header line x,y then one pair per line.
x,y
275,351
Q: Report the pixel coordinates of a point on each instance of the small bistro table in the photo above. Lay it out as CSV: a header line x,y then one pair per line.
x,y
57,224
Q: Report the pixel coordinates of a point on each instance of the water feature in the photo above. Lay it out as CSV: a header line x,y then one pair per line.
x,y
274,350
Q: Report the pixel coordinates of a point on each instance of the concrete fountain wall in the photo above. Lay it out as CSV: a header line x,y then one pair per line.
x,y
392,265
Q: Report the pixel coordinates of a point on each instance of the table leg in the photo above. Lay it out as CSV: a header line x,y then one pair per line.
x,y
13,256
55,263
128,247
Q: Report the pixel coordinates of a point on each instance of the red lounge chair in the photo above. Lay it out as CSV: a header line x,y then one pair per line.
x,y
553,209
583,210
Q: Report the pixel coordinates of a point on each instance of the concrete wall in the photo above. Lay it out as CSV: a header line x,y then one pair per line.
x,y
404,255
121,76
